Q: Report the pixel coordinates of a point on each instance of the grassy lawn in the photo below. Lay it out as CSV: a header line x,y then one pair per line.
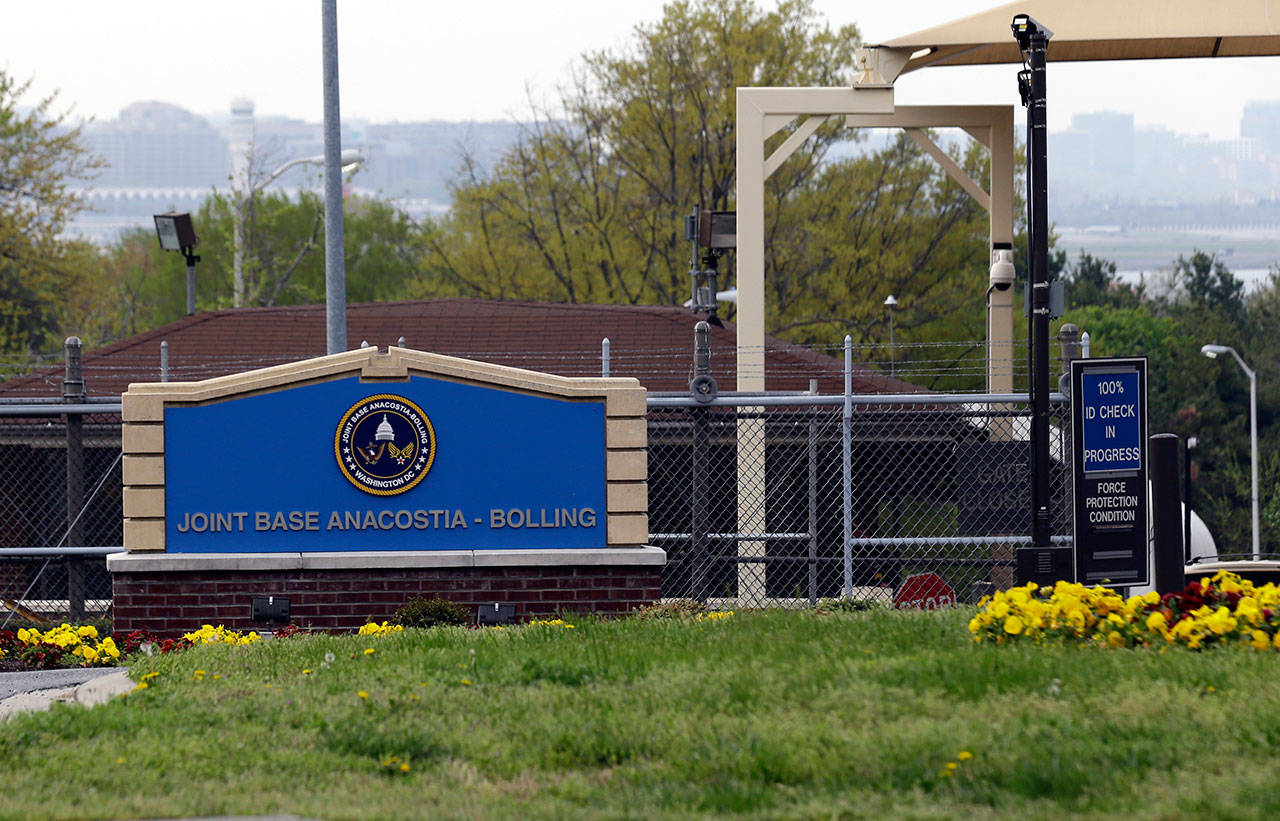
x,y
776,714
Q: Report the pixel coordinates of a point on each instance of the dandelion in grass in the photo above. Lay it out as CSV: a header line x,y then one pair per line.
x,y
965,755
150,676
466,682
362,694
306,671
120,760
369,651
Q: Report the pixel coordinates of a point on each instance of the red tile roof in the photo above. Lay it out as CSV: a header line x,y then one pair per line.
x,y
651,343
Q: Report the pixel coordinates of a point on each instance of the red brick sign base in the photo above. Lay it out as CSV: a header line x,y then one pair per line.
x,y
175,602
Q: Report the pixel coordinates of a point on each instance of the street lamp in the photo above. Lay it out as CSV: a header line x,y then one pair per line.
x,y
891,303
351,159
1213,351
176,233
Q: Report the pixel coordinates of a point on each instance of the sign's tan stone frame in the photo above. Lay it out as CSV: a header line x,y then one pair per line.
x,y
626,436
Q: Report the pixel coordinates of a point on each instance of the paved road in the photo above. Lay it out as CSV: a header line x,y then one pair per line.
x,y
14,683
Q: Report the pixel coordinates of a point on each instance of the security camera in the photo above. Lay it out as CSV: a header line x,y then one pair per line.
x,y
1002,270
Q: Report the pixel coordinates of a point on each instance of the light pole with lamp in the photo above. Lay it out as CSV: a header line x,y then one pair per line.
x,y
242,200
891,303
1213,352
176,233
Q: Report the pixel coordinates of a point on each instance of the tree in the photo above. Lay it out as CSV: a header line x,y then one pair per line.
x,y
141,287
1093,281
41,160
1209,284
588,207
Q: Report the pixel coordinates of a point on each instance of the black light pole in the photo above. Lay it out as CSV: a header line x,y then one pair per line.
x,y
1033,40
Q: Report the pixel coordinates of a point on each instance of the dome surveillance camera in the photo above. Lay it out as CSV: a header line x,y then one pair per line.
x,y
1002,270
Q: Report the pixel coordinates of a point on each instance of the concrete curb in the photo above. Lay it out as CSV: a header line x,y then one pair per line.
x,y
90,693
104,688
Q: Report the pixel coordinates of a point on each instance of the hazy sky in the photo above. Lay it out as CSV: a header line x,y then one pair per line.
x,y
482,59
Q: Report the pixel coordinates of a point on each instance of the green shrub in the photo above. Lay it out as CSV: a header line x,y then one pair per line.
x,y
433,612
672,609
848,604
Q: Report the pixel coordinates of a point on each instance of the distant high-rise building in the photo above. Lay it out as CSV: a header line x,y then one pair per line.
x,y
1112,134
1261,121
154,145
240,143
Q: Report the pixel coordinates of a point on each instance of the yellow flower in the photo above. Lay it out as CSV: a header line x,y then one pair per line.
x,y
362,694
1013,625
151,675
1261,641
1115,639
306,671
965,755
404,767
466,682
368,651
1156,621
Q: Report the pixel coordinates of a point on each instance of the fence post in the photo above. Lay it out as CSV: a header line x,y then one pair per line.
x,y
1166,518
698,541
1069,338
846,465
73,391
604,357
813,497
164,361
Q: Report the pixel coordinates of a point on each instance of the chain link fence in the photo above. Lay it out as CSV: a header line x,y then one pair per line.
x,y
755,507
759,500
60,511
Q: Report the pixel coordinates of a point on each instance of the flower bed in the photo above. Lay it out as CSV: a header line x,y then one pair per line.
x,y
1222,610
62,646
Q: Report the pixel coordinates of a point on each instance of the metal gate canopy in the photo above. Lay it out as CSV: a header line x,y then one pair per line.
x,y
1081,30
1087,30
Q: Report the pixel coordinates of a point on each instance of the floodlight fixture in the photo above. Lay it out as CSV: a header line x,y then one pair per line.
x,y
176,233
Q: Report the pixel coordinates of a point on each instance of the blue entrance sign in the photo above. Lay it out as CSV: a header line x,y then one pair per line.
x,y
1109,425
423,464
1112,411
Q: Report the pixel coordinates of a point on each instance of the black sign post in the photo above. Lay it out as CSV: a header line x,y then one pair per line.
x,y
1109,465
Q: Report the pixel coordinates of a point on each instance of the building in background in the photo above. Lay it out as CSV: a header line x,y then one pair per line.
x,y
161,157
